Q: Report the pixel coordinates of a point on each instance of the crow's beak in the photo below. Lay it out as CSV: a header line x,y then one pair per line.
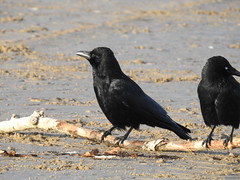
x,y
233,71
85,54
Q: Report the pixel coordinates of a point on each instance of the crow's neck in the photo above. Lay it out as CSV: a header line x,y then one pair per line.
x,y
218,80
108,71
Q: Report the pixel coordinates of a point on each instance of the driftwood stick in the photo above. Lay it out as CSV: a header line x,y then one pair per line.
x,y
37,120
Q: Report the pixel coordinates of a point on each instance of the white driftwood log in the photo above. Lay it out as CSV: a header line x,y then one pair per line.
x,y
37,120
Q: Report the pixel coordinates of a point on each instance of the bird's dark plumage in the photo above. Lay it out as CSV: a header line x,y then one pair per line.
x,y
219,95
122,101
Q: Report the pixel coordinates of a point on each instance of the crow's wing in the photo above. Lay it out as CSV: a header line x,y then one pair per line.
x,y
228,106
148,110
207,97
131,95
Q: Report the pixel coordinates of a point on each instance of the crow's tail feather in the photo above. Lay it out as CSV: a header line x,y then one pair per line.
x,y
178,129
181,131
184,128
182,134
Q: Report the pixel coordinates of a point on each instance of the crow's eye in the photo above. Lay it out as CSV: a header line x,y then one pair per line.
x,y
226,68
95,56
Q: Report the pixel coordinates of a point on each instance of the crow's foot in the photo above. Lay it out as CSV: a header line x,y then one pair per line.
x,y
120,140
207,142
106,133
227,140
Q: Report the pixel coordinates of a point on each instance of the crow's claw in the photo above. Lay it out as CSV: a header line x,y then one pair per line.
x,y
120,140
106,133
207,142
227,140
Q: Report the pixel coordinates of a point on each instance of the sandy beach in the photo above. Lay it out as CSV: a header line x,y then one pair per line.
x,y
162,45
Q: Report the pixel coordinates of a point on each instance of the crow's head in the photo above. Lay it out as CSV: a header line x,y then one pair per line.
x,y
102,60
218,67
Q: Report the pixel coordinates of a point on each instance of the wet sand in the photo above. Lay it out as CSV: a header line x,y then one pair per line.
x,y
162,45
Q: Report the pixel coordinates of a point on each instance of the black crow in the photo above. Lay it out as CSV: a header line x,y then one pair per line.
x,y
122,101
219,95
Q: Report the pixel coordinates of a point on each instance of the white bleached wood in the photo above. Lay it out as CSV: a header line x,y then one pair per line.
x,y
37,120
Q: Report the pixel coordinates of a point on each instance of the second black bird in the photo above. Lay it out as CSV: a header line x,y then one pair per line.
x,y
219,95
122,101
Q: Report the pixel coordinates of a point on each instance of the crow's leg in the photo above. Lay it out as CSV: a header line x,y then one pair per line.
x,y
209,138
106,133
121,139
229,139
